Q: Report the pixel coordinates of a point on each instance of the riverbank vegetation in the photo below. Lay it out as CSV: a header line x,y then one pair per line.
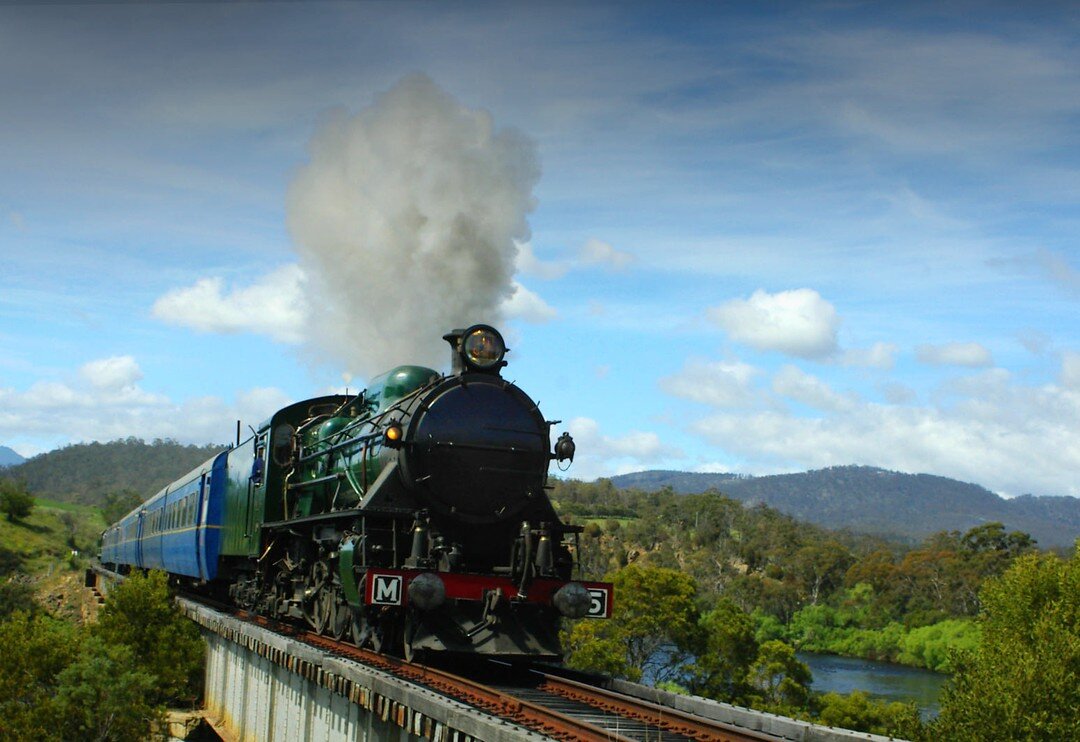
x,y
818,590
713,598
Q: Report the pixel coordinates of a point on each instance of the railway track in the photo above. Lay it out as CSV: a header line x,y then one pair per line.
x,y
557,707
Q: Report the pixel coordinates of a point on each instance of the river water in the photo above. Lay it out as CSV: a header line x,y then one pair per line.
x,y
880,679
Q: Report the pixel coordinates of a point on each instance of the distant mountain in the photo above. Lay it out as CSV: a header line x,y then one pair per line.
x,y
877,501
84,473
9,457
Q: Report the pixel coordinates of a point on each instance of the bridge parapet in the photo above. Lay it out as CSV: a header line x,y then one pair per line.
x,y
265,687
780,727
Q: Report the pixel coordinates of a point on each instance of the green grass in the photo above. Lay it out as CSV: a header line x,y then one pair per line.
x,y
37,544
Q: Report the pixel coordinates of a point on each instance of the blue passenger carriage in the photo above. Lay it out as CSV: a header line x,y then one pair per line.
x,y
178,530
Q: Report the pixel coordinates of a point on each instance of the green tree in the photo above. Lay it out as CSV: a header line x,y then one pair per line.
x,y
1023,680
727,649
16,595
103,696
36,650
141,615
779,680
15,501
820,568
71,529
653,627
119,504
859,712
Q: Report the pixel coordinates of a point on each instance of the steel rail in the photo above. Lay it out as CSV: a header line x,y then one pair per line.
x,y
664,717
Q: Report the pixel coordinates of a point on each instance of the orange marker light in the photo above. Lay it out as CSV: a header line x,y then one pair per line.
x,y
393,435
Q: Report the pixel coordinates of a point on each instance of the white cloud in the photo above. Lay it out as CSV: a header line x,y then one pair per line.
x,y
1010,438
725,384
530,265
593,252
798,322
527,305
112,373
598,252
1070,370
899,394
879,355
795,384
972,355
273,305
43,395
600,455
103,402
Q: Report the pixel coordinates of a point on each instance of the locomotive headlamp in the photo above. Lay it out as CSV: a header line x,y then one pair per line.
x,y
565,448
393,435
483,347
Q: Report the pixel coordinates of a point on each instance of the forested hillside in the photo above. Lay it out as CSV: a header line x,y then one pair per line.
x,y
714,597
86,473
819,590
876,501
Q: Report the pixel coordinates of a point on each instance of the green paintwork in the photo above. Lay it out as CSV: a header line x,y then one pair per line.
x,y
399,382
236,537
325,423
348,576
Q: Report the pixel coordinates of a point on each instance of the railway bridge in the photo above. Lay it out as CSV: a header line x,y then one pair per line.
x,y
267,683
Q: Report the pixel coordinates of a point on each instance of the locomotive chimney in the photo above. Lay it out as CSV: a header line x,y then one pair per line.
x,y
457,363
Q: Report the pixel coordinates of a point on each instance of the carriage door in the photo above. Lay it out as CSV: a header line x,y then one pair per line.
x,y
139,539
200,524
255,483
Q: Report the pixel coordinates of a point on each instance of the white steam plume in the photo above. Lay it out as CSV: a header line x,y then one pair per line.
x,y
405,221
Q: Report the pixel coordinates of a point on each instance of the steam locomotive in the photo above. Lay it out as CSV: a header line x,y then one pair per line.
x,y
411,517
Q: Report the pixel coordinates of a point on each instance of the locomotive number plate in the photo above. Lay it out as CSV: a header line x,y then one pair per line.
x,y
598,603
385,589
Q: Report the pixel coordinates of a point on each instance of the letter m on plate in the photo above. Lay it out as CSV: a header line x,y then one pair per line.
x,y
385,589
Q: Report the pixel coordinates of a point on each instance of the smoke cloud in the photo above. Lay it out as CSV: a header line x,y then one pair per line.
x,y
405,221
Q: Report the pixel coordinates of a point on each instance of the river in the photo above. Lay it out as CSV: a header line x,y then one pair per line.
x,y
880,679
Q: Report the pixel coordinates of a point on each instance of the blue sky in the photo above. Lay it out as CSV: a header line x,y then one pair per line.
x,y
760,238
